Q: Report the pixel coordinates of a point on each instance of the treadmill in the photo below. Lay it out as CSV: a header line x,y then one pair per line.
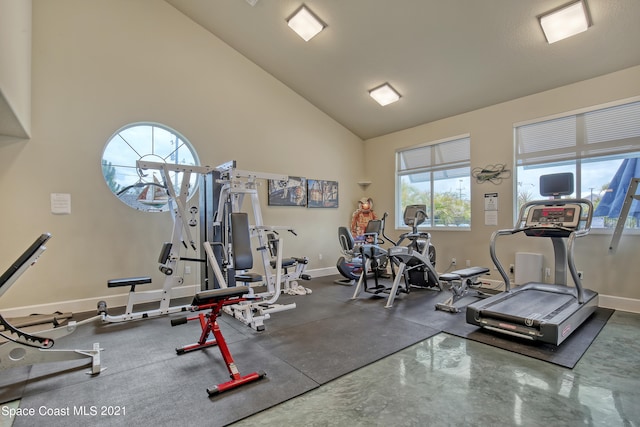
x,y
539,311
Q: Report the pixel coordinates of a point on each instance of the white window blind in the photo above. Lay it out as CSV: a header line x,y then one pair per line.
x,y
614,130
444,155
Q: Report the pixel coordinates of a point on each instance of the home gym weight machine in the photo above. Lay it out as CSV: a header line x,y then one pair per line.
x,y
415,261
540,311
222,193
25,349
181,239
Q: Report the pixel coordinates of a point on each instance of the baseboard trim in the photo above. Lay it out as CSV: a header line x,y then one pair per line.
x,y
322,272
619,303
119,300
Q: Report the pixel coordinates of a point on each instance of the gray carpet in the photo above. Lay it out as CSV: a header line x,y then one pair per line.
x,y
326,336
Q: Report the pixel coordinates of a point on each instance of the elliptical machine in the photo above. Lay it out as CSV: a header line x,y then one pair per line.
x,y
415,260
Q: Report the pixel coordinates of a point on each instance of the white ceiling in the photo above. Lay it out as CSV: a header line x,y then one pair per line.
x,y
445,57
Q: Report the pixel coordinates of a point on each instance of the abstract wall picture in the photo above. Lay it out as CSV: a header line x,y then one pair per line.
x,y
289,193
322,193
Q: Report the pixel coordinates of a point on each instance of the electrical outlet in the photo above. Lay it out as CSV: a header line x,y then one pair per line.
x,y
468,263
320,256
187,269
547,272
580,275
453,261
511,268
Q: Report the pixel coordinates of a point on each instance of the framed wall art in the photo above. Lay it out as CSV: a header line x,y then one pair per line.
x,y
322,193
290,193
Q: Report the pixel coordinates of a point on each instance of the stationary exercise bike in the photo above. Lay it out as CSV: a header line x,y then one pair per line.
x,y
351,263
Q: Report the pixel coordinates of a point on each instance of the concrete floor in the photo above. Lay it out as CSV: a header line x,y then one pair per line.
x,y
450,381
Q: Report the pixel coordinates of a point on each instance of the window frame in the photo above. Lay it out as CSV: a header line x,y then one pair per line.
x,y
580,152
139,149
435,166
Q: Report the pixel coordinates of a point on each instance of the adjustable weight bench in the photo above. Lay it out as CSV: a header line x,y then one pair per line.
x,y
460,281
25,349
215,299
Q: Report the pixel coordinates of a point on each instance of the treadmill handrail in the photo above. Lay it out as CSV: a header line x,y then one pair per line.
x,y
572,266
573,234
494,257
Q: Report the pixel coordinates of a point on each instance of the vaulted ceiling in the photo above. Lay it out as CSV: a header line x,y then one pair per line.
x,y
445,57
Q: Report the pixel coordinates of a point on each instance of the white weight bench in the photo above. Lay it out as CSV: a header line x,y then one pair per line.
x,y
460,282
24,349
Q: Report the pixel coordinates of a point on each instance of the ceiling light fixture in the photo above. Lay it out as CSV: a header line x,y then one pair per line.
x,y
384,94
305,23
564,22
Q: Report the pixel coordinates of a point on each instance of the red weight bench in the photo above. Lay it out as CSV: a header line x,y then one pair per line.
x,y
215,299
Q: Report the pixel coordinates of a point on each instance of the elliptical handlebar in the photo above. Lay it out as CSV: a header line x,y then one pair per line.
x,y
384,222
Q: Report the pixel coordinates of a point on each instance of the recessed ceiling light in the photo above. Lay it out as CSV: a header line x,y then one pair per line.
x,y
565,22
384,94
305,23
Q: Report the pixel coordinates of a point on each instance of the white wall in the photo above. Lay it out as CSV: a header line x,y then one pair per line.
x,y
102,64
15,69
491,131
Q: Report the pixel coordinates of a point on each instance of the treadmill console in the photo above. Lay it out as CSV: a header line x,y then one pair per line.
x,y
543,216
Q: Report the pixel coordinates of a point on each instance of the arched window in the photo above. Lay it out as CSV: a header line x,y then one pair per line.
x,y
153,142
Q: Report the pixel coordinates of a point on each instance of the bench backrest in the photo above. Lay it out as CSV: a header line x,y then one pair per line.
x,y
241,241
28,257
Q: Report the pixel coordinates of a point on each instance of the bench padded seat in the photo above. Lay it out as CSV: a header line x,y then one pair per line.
x,y
248,277
214,295
128,281
464,273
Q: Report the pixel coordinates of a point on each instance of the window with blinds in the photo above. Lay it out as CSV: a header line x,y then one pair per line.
x,y
600,147
438,176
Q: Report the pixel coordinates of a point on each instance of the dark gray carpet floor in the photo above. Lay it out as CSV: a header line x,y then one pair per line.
x,y
326,336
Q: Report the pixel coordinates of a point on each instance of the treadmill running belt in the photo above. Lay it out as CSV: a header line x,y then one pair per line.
x,y
528,307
